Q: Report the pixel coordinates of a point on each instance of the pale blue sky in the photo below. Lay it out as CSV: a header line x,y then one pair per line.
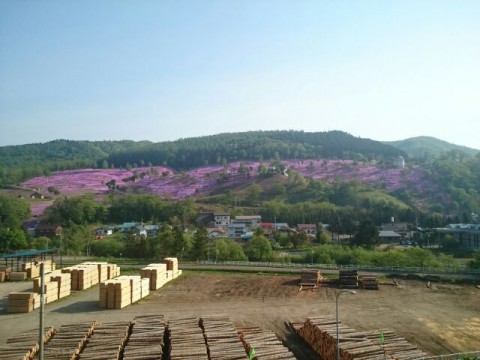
x,y
164,70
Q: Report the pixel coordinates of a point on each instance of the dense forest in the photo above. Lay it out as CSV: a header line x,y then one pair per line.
x,y
18,163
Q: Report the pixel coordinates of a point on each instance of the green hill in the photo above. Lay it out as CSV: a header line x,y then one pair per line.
x,y
428,147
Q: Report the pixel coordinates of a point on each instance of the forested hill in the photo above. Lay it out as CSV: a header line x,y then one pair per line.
x,y
255,145
423,147
18,163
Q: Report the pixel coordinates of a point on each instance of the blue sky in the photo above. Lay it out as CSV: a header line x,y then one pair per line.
x,y
164,70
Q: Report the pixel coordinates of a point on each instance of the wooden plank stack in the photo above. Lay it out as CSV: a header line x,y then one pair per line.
x,y
88,274
3,276
222,339
310,277
24,346
172,267
157,273
266,345
5,273
68,341
369,282
33,268
146,341
145,287
320,334
122,291
348,279
22,302
18,276
186,339
64,283
106,342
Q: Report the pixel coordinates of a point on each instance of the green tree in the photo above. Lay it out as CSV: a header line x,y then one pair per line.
x,y
12,240
258,248
200,244
367,235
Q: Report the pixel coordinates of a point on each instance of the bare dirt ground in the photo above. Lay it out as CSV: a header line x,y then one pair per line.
x,y
443,319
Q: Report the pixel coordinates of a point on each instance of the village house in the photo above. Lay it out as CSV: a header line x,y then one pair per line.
x,y
467,235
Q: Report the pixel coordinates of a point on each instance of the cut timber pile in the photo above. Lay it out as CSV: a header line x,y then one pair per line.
x,y
106,342
348,279
3,276
222,339
266,344
146,339
310,278
157,273
24,346
320,334
120,292
23,302
18,276
369,282
186,340
68,341
32,269
85,275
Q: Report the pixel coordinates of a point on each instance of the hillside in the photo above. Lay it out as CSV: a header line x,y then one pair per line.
x,y
424,147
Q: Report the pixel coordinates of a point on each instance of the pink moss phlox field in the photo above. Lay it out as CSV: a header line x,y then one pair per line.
x,y
170,184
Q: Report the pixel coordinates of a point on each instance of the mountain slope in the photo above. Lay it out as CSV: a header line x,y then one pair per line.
x,y
426,146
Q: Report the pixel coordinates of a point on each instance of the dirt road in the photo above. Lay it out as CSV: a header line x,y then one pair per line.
x,y
440,320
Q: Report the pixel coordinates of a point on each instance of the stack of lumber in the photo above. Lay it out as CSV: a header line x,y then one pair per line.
x,y
310,277
222,339
105,270
172,267
157,273
23,302
369,282
50,291
24,346
18,276
106,342
265,344
146,339
33,268
145,287
320,334
121,291
68,341
186,340
348,279
64,283
5,273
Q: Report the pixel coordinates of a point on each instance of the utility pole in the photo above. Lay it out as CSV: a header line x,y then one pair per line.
x,y
42,304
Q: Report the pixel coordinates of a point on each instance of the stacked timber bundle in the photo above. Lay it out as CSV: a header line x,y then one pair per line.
x,y
222,339
172,268
22,302
145,287
369,282
68,341
106,342
265,345
310,277
24,346
18,276
64,282
5,273
348,279
146,339
122,291
320,334
105,270
186,340
157,273
33,268
50,291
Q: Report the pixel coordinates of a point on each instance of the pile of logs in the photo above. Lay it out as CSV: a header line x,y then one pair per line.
x,y
222,339
68,341
369,282
186,339
265,344
320,334
17,276
146,341
348,279
24,346
106,342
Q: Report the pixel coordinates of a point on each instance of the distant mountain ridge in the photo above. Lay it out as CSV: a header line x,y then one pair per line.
x,y
427,146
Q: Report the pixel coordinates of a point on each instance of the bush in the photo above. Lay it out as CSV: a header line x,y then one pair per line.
x,y
107,247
